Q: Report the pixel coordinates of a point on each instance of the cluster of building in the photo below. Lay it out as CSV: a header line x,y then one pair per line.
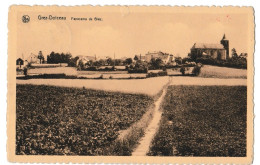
x,y
165,57
30,59
207,50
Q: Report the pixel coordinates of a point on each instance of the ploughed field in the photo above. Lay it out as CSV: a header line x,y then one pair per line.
x,y
59,120
202,121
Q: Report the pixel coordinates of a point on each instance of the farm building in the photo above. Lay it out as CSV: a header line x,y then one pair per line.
x,y
33,59
215,51
142,58
166,58
85,59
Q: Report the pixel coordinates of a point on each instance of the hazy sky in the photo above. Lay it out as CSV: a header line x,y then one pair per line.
x,y
130,34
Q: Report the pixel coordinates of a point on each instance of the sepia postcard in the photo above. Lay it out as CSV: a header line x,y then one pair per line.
x,y
130,84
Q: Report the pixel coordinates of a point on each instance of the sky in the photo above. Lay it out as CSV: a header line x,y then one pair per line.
x,y
128,34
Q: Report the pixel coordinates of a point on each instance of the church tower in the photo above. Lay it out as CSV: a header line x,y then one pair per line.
x,y
225,43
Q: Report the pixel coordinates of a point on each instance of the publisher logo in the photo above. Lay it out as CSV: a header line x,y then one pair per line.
x,y
25,18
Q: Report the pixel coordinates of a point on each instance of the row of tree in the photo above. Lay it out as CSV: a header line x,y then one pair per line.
x,y
55,58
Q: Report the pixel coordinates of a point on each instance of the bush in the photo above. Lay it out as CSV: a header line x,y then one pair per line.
x,y
182,70
92,68
139,67
138,70
196,70
161,73
25,71
29,65
151,74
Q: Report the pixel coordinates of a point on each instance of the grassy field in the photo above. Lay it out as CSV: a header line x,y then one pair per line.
x,y
222,72
202,121
86,74
149,86
58,120
53,70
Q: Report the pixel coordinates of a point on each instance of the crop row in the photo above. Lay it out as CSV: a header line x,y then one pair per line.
x,y
57,120
202,121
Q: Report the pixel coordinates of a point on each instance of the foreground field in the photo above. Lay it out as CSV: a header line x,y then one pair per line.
x,y
202,121
56,120
222,72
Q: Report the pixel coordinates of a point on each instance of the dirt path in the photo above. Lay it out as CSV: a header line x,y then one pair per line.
x,y
152,128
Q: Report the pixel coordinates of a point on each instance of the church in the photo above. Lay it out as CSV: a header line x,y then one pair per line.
x,y
216,51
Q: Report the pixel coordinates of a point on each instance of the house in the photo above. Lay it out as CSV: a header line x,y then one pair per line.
x,y
142,58
85,59
165,57
215,51
33,59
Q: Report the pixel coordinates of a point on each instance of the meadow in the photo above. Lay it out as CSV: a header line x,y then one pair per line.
x,y
202,121
209,71
72,121
71,71
149,86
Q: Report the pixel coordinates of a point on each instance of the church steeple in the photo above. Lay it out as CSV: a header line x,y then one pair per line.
x,y
225,43
224,37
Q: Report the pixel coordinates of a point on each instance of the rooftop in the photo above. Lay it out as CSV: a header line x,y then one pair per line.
x,y
207,46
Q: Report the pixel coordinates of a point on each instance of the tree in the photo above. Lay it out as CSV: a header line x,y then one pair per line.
x,y
139,67
40,56
136,58
67,57
156,63
97,63
234,53
128,61
73,61
102,62
63,58
118,62
178,60
90,63
110,61
55,58
81,65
